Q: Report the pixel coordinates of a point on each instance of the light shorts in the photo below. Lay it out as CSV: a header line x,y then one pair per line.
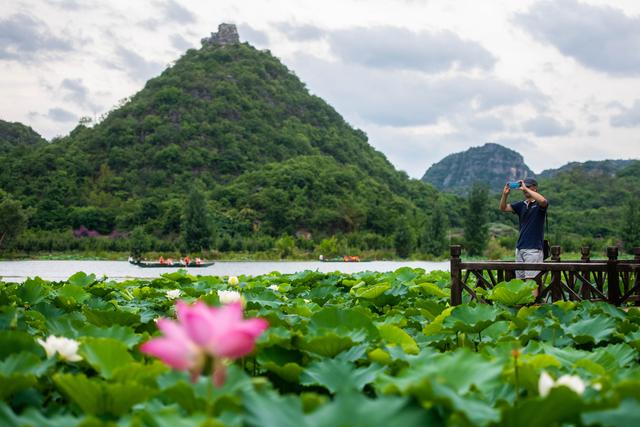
x,y
528,255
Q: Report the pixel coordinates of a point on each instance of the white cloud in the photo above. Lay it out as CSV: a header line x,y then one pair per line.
x,y
422,78
398,48
77,92
628,117
253,36
180,43
175,12
547,126
61,115
137,67
408,98
25,38
603,38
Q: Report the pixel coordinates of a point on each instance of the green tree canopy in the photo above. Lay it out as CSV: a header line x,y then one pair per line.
x,y
13,219
196,225
476,230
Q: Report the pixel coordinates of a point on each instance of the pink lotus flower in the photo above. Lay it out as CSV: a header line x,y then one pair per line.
x,y
203,332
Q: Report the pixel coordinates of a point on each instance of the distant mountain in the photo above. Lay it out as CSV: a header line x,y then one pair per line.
x,y
591,167
13,135
491,164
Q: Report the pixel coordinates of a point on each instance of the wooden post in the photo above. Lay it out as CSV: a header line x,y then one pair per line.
x,y
585,291
556,287
456,275
613,288
636,255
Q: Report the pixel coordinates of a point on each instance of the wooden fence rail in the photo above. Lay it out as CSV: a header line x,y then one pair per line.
x,y
612,280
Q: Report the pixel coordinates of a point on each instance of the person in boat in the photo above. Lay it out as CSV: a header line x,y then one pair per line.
x,y
169,261
187,261
198,261
161,260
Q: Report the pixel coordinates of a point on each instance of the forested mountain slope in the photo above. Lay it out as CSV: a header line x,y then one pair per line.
x,y
234,122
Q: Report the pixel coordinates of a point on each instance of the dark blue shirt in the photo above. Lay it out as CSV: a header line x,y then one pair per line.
x,y
531,217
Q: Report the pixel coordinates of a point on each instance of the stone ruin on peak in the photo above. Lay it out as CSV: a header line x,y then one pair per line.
x,y
227,34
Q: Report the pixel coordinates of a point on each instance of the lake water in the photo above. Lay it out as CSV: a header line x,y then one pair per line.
x,y
18,271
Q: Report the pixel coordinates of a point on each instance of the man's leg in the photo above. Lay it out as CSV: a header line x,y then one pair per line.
x,y
532,256
520,274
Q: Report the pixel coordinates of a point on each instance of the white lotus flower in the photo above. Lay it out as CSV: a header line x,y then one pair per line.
x,y
233,281
274,287
228,297
174,294
574,382
546,383
65,347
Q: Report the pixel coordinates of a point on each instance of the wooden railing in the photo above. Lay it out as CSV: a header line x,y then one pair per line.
x,y
612,280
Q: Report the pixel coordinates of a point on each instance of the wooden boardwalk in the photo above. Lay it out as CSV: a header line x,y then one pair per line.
x,y
612,280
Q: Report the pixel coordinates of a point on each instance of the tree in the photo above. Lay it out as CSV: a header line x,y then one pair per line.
x,y
476,230
196,227
404,239
139,242
13,219
285,245
631,226
434,238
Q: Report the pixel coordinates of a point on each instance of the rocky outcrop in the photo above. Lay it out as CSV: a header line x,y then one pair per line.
x,y
227,34
491,164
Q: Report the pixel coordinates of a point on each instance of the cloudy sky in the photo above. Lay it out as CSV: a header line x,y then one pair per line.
x,y
557,81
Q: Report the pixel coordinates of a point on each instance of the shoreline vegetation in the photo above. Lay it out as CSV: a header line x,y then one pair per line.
x,y
258,256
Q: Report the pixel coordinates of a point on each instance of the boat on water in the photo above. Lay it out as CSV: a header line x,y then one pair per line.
x,y
156,264
346,258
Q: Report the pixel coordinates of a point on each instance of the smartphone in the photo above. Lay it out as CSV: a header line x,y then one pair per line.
x,y
514,184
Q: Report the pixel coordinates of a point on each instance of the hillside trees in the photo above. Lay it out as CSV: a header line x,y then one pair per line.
x,y
275,161
631,226
196,225
476,231
404,239
434,235
13,219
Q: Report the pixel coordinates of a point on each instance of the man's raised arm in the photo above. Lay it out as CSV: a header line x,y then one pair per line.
x,y
504,206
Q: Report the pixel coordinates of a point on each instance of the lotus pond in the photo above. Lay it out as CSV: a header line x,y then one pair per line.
x,y
366,349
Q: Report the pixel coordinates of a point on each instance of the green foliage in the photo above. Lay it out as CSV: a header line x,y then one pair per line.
x,y
285,246
16,136
476,233
593,203
370,348
196,231
404,240
139,243
631,225
13,219
434,237
513,292
270,159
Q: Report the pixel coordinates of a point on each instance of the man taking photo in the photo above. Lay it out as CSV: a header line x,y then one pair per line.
x,y
531,214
